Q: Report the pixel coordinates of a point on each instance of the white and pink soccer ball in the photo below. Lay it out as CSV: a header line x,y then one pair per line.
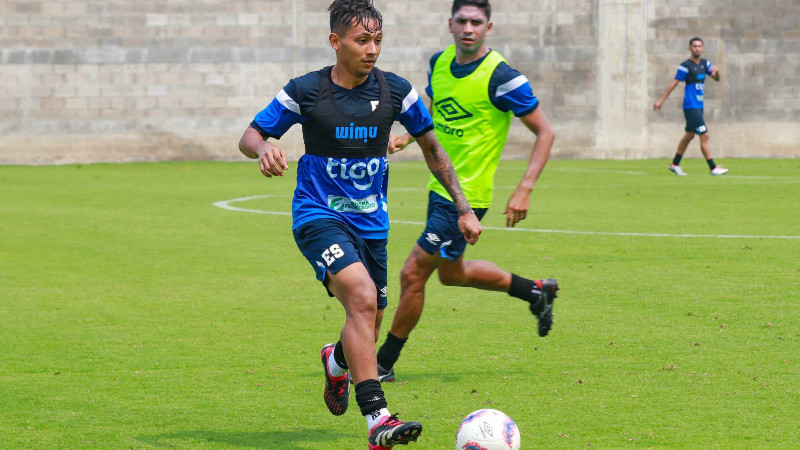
x,y
487,429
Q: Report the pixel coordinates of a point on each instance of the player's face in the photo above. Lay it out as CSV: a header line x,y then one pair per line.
x,y
358,50
470,26
696,47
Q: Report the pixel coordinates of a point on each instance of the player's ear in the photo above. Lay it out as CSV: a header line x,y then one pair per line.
x,y
450,24
335,41
489,28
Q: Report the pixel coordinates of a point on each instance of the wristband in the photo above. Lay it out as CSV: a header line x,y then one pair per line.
x,y
468,212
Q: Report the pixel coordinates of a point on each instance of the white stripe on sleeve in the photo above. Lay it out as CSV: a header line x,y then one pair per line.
x,y
683,69
287,102
410,99
510,86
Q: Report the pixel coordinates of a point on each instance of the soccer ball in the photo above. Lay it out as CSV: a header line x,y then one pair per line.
x,y
487,429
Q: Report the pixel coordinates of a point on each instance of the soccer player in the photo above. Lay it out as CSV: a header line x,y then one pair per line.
x,y
474,93
693,71
339,209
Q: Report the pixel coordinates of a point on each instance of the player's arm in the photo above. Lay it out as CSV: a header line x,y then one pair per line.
x,y
713,72
397,143
271,159
657,105
442,168
518,204
272,122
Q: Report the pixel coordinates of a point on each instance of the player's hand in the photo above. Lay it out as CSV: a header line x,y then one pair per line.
x,y
517,208
657,106
714,71
470,227
271,160
396,143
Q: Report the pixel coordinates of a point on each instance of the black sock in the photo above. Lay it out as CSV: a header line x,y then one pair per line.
x,y
390,350
522,288
677,159
711,164
527,290
338,355
369,396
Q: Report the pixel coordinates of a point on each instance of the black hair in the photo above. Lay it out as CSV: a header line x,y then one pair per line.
x,y
482,4
349,13
695,39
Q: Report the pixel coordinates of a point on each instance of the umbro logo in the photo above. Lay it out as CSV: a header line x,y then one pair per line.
x,y
451,110
433,239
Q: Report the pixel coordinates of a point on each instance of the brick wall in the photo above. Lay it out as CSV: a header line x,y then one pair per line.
x,y
91,80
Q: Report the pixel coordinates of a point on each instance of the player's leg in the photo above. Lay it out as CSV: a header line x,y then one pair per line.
x,y
378,321
683,144
486,275
440,229
355,289
479,274
415,273
331,247
705,147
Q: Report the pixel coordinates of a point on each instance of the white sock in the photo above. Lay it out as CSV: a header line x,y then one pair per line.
x,y
374,417
333,369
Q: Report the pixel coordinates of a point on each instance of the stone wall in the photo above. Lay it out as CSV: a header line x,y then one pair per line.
x,y
92,80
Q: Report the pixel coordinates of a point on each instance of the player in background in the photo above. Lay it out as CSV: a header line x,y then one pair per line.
x,y
474,94
693,72
339,210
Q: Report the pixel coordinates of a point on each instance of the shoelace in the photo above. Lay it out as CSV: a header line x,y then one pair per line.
x,y
393,421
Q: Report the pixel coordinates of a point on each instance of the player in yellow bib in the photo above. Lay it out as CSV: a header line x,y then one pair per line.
x,y
474,93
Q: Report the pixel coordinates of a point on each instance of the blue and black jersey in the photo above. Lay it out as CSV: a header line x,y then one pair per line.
x,y
694,75
509,90
344,173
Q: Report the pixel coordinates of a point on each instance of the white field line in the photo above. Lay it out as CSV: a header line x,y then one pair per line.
x,y
226,205
623,172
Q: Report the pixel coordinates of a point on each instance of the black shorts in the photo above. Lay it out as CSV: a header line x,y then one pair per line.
x,y
694,121
441,233
331,245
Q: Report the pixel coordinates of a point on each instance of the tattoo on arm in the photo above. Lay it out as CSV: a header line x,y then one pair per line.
x,y
441,168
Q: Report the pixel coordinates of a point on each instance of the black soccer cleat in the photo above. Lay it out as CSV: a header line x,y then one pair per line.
x,y
392,431
546,291
337,390
385,376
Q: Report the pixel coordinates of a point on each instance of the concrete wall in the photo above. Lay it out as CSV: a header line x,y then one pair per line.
x,y
96,80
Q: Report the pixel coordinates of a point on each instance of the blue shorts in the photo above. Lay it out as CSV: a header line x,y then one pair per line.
x,y
694,121
330,245
441,233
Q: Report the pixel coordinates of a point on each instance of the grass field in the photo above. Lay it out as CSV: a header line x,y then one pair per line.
x,y
136,314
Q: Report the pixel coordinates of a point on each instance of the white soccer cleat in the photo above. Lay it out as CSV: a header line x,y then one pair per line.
x,y
677,170
719,171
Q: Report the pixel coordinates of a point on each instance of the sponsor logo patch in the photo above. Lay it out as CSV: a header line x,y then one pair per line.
x,y
353,205
356,133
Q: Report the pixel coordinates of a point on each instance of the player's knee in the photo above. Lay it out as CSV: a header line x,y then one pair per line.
x,y
363,300
411,275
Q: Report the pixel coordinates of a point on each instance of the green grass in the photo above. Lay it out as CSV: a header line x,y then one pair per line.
x,y
135,314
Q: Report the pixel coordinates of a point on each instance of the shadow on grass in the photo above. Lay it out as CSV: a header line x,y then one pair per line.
x,y
265,439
